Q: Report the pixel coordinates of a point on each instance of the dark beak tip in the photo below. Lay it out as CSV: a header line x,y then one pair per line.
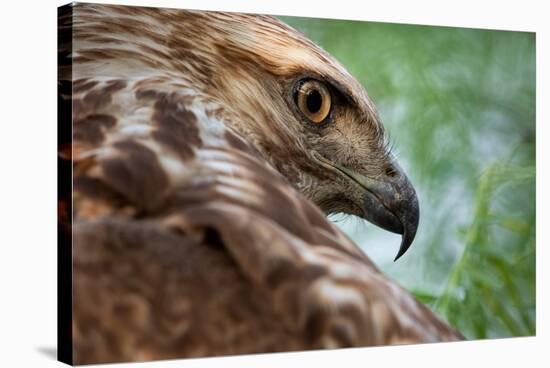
x,y
410,225
402,248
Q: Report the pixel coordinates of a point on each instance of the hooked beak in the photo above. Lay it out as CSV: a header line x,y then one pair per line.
x,y
389,202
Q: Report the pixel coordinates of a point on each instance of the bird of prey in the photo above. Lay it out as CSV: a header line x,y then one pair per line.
x,y
206,150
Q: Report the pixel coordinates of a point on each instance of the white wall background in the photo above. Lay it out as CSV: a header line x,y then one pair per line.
x,y
28,181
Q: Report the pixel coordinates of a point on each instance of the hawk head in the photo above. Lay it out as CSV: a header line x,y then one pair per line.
x,y
302,111
311,119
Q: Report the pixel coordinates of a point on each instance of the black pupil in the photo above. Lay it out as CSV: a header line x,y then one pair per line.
x,y
314,101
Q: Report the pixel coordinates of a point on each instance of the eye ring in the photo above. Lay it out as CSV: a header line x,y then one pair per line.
x,y
314,100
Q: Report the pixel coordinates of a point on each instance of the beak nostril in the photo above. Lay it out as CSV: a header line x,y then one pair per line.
x,y
390,172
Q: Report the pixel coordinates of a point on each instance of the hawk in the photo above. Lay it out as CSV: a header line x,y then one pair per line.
x,y
206,150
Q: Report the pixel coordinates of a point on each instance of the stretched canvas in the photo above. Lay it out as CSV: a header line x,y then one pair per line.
x,y
239,183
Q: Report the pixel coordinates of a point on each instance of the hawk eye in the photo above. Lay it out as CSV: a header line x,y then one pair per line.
x,y
314,100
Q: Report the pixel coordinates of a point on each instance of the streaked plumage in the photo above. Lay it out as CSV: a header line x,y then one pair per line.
x,y
197,186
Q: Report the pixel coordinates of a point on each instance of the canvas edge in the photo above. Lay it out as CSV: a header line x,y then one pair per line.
x,y
64,185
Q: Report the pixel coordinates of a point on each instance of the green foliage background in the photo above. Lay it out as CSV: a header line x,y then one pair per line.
x,y
459,105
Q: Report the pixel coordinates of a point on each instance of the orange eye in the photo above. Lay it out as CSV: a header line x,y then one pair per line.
x,y
314,100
